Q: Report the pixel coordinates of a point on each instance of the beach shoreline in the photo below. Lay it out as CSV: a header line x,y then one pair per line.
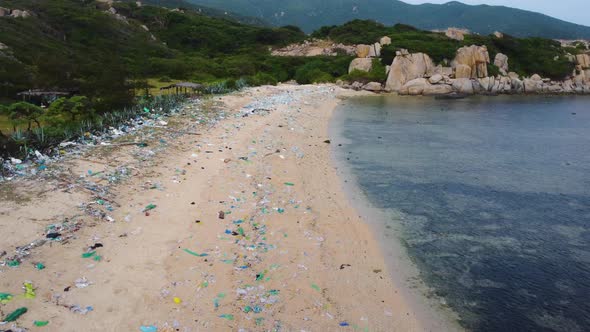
x,y
290,251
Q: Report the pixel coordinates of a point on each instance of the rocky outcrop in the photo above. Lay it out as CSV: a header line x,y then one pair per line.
x,y
501,61
475,57
463,85
583,60
462,71
373,86
3,47
375,51
14,13
315,48
438,89
534,84
406,67
436,78
362,51
362,64
385,41
456,34
414,87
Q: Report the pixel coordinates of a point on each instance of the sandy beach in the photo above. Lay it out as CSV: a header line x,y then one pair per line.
x,y
239,225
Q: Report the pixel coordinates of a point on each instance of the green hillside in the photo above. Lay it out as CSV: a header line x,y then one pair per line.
x,y
311,15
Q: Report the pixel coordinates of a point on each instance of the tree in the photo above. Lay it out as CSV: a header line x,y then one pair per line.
x,y
75,108
23,112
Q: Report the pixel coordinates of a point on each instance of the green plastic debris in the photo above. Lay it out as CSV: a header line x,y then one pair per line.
x,y
247,309
260,276
13,263
149,207
227,316
5,298
16,314
204,284
290,184
100,202
194,253
241,231
281,210
273,292
316,287
88,254
41,323
259,320
145,109
228,261
39,266
29,291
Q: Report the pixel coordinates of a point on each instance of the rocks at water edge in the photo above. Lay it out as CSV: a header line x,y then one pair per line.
x,y
373,86
416,74
406,67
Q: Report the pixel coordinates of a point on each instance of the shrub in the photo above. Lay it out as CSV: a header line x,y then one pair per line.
x,y
377,74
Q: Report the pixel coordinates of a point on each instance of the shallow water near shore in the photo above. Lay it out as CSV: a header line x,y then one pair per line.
x,y
489,195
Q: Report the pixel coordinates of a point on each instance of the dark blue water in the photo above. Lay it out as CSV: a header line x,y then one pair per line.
x,y
494,198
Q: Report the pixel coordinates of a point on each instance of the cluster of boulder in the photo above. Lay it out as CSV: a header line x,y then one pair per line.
x,y
365,55
14,13
416,74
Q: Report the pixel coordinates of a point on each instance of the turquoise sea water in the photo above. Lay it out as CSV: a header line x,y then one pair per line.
x,y
492,197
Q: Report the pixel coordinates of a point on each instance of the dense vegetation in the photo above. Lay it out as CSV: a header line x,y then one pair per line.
x,y
312,14
78,45
527,56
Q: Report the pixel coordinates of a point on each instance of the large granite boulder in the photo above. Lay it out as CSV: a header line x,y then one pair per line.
x,y
385,41
456,34
406,67
436,78
362,51
475,57
533,85
17,13
583,60
462,71
373,86
4,11
362,64
463,85
3,47
501,61
445,71
375,50
414,87
437,89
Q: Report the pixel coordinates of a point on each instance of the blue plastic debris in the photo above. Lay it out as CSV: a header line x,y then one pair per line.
x,y
149,328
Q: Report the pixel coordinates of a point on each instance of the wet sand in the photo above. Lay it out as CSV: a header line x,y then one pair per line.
x,y
291,252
